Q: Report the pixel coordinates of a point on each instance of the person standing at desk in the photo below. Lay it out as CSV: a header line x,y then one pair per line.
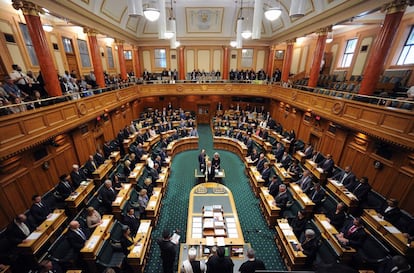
x,y
76,236
266,173
168,252
337,216
260,163
18,231
309,246
202,160
361,189
252,264
108,195
391,212
210,173
345,177
91,165
219,263
39,211
215,161
327,165
77,176
191,265
64,189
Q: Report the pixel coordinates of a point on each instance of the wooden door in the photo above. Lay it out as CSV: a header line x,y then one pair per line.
x,y
73,64
203,113
129,66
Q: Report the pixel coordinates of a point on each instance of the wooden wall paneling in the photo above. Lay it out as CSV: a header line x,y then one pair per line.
x,y
63,162
14,200
354,156
107,129
84,143
117,123
6,212
30,184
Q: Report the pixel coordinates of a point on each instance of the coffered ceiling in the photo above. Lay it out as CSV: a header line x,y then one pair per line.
x,y
210,21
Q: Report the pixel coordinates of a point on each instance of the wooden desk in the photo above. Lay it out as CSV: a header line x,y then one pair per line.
x,y
282,173
199,176
163,180
209,194
294,260
256,180
154,205
101,233
121,198
271,157
136,173
74,271
263,143
44,232
102,172
315,170
299,155
79,196
150,142
182,144
115,157
230,144
304,201
137,258
219,175
388,233
127,142
267,203
329,232
342,193
280,139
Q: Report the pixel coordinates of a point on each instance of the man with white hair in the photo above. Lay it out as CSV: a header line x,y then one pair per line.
x,y
108,195
77,176
309,246
191,265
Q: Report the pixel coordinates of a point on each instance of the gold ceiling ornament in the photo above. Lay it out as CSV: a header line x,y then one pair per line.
x,y
28,8
397,6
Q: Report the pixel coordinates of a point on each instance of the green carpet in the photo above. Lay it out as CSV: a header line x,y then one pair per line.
x,y
175,204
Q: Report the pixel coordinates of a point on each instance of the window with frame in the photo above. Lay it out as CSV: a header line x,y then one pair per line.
x,y
67,45
84,53
128,55
407,53
29,44
349,52
247,58
110,57
160,57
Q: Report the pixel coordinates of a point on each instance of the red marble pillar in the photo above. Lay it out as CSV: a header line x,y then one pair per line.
x,y
287,62
226,63
381,46
41,46
96,57
181,71
121,58
137,64
317,58
270,61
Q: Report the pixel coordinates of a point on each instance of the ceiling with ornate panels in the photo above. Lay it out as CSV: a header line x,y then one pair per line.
x,y
211,21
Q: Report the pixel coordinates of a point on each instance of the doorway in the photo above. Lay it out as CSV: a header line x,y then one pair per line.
x,y
203,113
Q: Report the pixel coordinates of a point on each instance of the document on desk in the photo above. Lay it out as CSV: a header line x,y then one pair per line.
x,y
93,240
34,236
105,222
143,227
210,241
326,224
137,249
118,200
377,218
232,233
220,241
53,216
284,226
152,203
392,229
319,170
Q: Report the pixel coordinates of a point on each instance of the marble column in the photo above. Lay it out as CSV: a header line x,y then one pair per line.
x,y
287,62
137,64
317,57
121,58
40,45
381,47
226,63
270,62
96,57
181,65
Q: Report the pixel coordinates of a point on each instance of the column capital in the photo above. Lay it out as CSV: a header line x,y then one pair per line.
x,y
395,6
135,47
90,31
119,42
28,8
323,31
291,41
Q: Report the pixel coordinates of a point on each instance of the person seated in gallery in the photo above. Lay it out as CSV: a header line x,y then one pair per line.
x,y
294,170
282,197
265,174
345,177
337,216
352,234
309,246
390,211
298,223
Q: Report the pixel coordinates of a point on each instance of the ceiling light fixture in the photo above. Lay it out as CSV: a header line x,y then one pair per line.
x,y
151,14
233,43
297,8
135,8
162,21
247,34
171,26
257,19
273,14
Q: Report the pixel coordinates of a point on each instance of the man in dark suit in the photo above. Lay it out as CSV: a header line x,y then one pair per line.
x,y
76,236
77,176
108,195
345,177
168,252
308,151
249,145
353,234
64,188
266,173
282,197
99,157
202,160
274,186
305,182
132,221
391,212
285,160
280,149
90,166
38,210
261,162
309,246
18,231
317,157
327,165
317,194
107,149
361,189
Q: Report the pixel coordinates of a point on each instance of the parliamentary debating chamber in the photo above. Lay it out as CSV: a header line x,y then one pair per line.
x,y
244,130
